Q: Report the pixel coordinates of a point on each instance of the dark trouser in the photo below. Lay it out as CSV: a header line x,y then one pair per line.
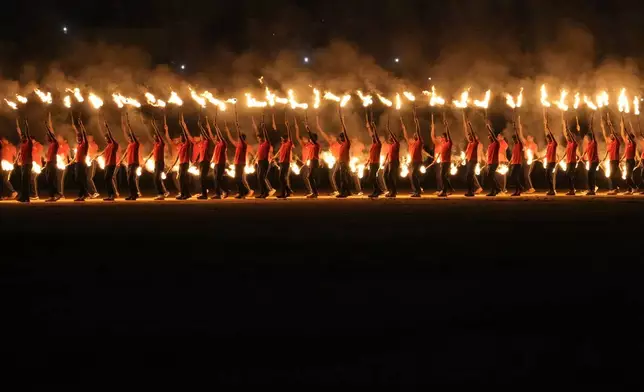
x,y
240,179
527,174
6,182
311,179
81,178
470,177
414,177
262,177
491,178
62,175
220,171
333,174
615,173
131,180
571,174
373,178
630,166
516,171
641,185
446,185
51,176
592,176
551,175
109,180
285,168
391,177
25,181
159,168
34,183
345,178
204,169
91,171
184,180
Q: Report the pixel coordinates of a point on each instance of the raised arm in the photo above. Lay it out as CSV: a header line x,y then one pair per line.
x,y
395,139
548,131
432,133
288,129
319,128
447,131
50,128
184,129
610,125
27,130
520,128
166,130
490,131
209,130
297,132
230,135
417,124
255,128
404,128
344,127
601,124
129,128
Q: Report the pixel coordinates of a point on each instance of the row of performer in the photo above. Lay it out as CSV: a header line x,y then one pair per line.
x,y
197,155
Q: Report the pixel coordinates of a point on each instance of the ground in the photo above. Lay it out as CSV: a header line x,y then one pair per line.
x,y
329,291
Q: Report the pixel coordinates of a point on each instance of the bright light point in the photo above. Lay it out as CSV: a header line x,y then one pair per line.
x,y
306,59
183,66
65,29
397,60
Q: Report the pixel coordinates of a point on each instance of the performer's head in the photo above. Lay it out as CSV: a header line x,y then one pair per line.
x,y
530,138
242,136
491,138
590,136
341,137
515,138
444,136
284,138
314,137
611,137
90,138
549,138
4,140
470,137
60,139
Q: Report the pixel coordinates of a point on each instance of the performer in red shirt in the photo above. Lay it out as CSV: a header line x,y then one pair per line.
x,y
392,164
25,159
284,155
310,158
110,156
471,156
612,153
37,159
241,147
9,155
415,147
186,142
516,171
263,164
551,157
492,161
219,159
158,156
63,163
132,156
503,160
79,159
203,157
374,159
343,161
591,155
445,155
51,175
570,156
629,155
334,147
92,153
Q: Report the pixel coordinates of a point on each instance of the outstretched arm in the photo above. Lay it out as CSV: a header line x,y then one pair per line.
x,y
209,130
393,137
490,131
184,129
344,127
230,135
297,132
447,131
417,124
319,128
288,128
404,128
255,128
601,124
166,130
50,128
520,128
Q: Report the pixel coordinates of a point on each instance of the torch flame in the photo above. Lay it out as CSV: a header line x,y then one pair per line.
x,y
67,101
294,103
95,101
331,97
622,102
6,165
21,99
409,96
153,101
44,97
121,101
149,165
367,100
36,168
398,102
462,103
270,97
589,103
328,159
561,103
253,103
602,99
100,160
544,96
385,101
345,99
636,105
232,100
509,100
200,100
214,101
485,102
77,94
11,104
434,99
174,99
530,155
575,105
453,169
295,168
316,98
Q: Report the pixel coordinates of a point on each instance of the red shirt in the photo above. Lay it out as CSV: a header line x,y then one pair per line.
x,y
37,152
81,152
551,152
158,151
263,151
613,150
335,149
345,151
532,146
220,152
394,152
416,150
493,153
203,151
571,152
132,153
630,149
313,151
516,154
52,151
240,152
196,149
8,152
446,151
26,152
285,151
92,150
471,153
591,151
184,152
503,148
374,152
110,153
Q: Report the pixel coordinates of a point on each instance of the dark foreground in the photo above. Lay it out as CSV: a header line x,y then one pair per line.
x,y
325,292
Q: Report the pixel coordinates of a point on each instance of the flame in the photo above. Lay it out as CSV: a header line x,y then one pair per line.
x,y
294,103
520,98
367,100
249,169
622,102
544,96
253,103
6,165
530,155
153,101
503,169
67,101
149,165
11,104
561,103
398,102
328,159
192,169
434,99
36,168
409,96
295,168
21,99
88,161
607,168
462,103
384,100
232,100
623,172
477,169
589,103
316,98
45,97
95,101
423,169
214,101
200,100
174,99
101,162
463,160
120,101
139,171
331,97
485,102
280,100
453,169
563,164
587,165
575,105
230,172
636,105
382,161
77,94
60,164
270,97
163,176
509,100
345,99
602,99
